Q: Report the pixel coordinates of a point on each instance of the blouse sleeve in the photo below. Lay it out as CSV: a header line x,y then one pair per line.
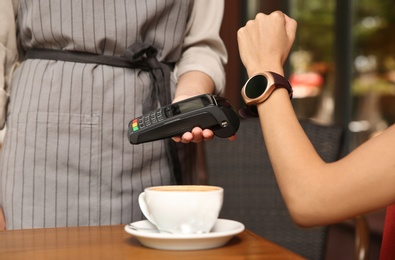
x,y
8,52
203,48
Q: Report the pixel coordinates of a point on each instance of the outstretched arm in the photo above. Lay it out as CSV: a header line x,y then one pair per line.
x,y
190,84
201,67
315,192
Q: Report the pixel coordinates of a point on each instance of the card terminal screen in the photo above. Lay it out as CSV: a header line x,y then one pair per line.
x,y
185,107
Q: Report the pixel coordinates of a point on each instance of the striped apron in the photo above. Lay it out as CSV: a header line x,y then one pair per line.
x,y
66,159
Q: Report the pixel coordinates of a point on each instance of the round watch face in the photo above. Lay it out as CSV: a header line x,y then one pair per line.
x,y
256,86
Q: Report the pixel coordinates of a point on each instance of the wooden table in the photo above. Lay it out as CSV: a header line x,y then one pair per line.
x,y
112,242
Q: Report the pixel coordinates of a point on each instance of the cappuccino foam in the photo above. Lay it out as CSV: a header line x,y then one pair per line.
x,y
185,188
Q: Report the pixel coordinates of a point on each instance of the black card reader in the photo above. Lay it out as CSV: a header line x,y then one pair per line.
x,y
204,111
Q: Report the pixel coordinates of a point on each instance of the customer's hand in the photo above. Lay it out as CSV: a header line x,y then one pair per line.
x,y
2,220
265,42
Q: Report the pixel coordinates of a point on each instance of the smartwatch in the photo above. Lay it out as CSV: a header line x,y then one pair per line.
x,y
259,87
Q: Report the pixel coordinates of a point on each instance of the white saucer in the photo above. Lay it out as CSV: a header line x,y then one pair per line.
x,y
221,233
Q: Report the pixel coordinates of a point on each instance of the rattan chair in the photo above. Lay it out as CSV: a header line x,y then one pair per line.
x,y
243,169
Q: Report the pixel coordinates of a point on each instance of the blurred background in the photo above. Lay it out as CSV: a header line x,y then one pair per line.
x,y
342,68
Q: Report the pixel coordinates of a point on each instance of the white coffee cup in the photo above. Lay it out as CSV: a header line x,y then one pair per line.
x,y
182,209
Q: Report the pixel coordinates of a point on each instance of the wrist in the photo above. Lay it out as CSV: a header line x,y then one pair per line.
x,y
194,83
262,68
279,100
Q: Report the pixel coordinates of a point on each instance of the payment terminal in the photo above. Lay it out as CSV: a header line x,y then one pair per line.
x,y
205,111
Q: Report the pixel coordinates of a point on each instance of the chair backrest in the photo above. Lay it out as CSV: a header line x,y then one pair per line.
x,y
251,193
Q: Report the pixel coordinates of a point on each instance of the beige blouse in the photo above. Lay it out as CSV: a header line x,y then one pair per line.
x,y
203,26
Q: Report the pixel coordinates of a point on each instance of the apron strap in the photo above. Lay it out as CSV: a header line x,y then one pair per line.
x,y
145,55
136,56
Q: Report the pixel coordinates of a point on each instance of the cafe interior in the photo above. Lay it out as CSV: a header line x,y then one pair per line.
x,y
342,69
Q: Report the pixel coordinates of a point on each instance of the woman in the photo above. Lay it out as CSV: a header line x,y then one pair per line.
x,y
315,192
66,159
